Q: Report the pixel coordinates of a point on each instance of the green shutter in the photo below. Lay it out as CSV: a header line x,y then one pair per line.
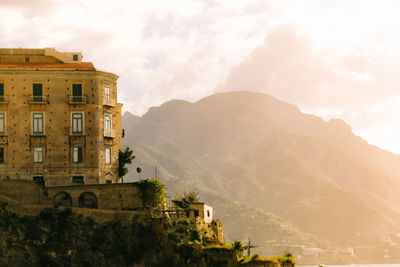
x,y
1,89
77,90
79,154
37,89
1,154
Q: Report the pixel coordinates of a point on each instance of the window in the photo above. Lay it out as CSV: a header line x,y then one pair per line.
x,y
77,179
37,123
77,157
27,59
2,123
107,124
1,155
108,182
2,92
39,180
38,155
208,213
77,123
107,92
75,57
108,156
77,92
37,92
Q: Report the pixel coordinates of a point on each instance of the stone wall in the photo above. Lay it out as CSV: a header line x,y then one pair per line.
x,y
102,196
108,196
26,192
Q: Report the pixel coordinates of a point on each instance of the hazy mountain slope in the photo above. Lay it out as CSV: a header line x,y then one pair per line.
x,y
255,149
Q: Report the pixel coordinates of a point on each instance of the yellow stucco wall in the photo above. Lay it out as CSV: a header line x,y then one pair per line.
x,y
57,142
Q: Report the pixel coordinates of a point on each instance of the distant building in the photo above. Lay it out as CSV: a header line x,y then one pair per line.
x,y
202,210
60,122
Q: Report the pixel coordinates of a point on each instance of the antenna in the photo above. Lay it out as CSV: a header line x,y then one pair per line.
x,y
155,172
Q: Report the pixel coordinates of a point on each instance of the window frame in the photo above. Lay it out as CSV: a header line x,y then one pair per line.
x,y
107,91
37,87
77,98
38,131
108,130
75,131
77,175
108,156
3,122
77,155
38,155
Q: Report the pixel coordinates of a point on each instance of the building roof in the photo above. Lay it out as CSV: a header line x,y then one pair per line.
x,y
46,65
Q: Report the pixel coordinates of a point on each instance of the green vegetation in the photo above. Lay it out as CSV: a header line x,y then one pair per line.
x,y
184,200
62,238
58,237
288,258
124,157
237,246
288,254
153,192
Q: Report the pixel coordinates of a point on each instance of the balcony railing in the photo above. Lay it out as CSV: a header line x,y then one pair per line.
x,y
77,99
38,99
109,102
3,100
38,133
109,133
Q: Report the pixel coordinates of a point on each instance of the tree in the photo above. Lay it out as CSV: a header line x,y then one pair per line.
x,y
184,200
124,157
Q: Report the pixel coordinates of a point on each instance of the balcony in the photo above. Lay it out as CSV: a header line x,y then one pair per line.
x,y
38,100
38,133
109,102
77,100
109,133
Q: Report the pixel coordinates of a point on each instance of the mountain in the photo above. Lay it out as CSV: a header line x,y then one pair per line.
x,y
265,158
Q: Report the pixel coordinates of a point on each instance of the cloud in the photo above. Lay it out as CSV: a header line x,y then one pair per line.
x,y
287,65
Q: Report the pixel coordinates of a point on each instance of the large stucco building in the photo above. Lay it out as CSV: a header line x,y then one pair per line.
x,y
60,123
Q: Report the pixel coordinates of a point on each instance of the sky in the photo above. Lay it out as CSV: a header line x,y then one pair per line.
x,y
335,59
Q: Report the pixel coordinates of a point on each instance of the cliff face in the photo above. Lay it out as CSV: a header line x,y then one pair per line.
x,y
62,238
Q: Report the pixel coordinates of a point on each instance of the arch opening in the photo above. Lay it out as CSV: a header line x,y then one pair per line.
x,y
62,199
88,200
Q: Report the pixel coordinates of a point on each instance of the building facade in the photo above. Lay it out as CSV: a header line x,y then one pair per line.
x,y
60,123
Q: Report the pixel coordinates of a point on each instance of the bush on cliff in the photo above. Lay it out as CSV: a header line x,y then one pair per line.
x,y
153,192
184,200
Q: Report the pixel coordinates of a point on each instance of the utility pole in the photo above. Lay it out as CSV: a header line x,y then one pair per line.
x,y
155,172
249,246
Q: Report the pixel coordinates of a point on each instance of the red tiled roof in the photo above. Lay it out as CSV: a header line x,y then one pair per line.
x,y
44,65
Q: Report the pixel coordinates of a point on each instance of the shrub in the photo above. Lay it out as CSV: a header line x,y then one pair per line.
x,y
195,235
254,257
184,200
237,246
153,192
288,254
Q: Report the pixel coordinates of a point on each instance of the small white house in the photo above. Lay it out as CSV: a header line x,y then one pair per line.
x,y
202,210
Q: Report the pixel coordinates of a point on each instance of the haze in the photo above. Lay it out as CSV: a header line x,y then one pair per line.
x,y
336,59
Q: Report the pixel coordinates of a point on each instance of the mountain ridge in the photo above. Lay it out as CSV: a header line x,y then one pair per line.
x,y
265,153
